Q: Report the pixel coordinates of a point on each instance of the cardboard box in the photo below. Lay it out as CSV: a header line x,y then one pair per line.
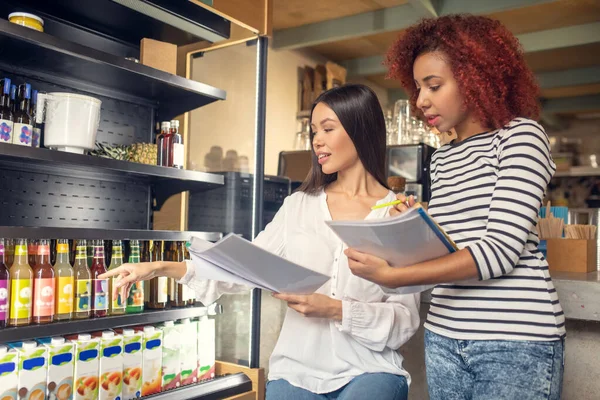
x,y
32,370
188,332
110,366
206,348
61,364
85,375
132,363
152,361
572,255
9,377
171,365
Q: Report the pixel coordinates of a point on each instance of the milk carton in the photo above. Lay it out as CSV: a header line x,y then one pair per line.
x,y
9,377
152,360
32,370
61,364
111,366
188,357
171,366
132,363
206,348
85,375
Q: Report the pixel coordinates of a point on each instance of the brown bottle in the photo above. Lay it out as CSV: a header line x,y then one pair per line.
x,y
43,285
145,256
32,252
186,256
178,291
158,285
9,252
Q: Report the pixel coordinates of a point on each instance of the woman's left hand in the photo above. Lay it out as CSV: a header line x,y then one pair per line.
x,y
368,267
314,305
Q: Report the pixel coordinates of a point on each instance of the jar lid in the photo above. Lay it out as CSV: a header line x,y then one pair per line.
x,y
27,15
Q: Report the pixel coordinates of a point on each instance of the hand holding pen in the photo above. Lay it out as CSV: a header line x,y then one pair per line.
x,y
401,204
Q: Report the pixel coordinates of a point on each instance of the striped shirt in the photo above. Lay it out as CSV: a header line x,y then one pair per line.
x,y
486,194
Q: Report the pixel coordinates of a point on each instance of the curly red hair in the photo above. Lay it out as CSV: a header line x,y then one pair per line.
x,y
486,60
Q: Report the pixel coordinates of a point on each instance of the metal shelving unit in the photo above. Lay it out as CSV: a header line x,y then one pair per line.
x,y
578,171
214,389
27,232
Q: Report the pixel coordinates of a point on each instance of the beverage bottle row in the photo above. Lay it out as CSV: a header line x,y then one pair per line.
x,y
18,106
40,283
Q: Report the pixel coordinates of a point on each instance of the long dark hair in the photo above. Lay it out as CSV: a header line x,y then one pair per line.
x,y
360,113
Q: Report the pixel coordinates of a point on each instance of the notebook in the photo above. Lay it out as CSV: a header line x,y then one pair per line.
x,y
236,260
402,240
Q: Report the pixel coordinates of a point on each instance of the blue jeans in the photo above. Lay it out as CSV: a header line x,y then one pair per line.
x,y
493,369
379,386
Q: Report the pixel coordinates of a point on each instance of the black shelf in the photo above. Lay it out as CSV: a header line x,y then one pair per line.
x,y
49,58
28,332
26,232
219,388
165,181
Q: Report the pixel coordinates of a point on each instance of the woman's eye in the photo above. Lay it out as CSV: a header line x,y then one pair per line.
x,y
328,130
434,88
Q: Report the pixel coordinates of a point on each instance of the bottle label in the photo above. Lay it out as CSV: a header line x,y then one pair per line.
x,y
36,136
100,294
3,299
43,250
20,250
62,248
136,295
6,129
162,290
43,298
65,295
98,252
20,298
118,296
82,295
22,134
178,152
1,249
81,253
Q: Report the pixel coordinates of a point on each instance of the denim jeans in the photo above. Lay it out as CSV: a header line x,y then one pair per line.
x,y
493,369
378,386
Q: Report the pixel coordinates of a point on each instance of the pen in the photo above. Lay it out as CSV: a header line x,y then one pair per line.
x,y
391,203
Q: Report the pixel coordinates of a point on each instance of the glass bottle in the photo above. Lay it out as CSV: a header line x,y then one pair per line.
x,y
4,280
32,252
177,149
162,144
9,252
13,99
191,293
6,114
145,256
168,146
83,283
135,299
99,286
21,287
44,285
158,285
179,298
22,127
65,282
36,131
117,296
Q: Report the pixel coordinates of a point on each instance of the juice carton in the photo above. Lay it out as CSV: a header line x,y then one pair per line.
x,y
188,358
85,375
9,377
32,370
206,348
152,360
171,366
111,365
61,363
132,363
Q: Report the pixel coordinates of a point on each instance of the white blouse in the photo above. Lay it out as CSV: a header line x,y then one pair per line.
x,y
322,355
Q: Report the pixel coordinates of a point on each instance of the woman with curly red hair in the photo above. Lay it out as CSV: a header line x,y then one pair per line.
x,y
495,328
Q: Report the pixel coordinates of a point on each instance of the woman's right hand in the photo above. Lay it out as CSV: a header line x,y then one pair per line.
x,y
407,202
128,274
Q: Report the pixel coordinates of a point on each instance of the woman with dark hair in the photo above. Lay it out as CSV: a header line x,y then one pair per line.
x,y
340,342
495,328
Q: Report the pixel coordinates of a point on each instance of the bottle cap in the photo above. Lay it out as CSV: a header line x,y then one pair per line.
x,y
169,323
165,125
57,340
184,321
108,334
3,349
148,329
174,123
30,344
128,332
84,336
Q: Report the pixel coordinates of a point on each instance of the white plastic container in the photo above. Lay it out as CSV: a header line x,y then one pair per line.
x,y
71,121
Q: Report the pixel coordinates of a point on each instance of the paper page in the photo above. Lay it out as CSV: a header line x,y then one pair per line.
x,y
207,270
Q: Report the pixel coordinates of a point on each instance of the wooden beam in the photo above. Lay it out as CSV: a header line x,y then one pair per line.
x,y
256,375
570,77
572,104
384,20
427,8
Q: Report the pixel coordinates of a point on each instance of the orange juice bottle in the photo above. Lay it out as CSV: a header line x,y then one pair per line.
x,y
43,285
65,281
21,287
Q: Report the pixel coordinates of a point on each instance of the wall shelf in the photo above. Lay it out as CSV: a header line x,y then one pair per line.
x,y
219,388
32,53
578,171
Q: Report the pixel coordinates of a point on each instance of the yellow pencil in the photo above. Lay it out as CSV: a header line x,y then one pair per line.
x,y
391,203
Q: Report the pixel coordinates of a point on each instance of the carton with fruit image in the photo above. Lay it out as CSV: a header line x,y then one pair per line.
x,y
152,360
132,363
188,331
61,361
171,366
85,375
206,348
111,365
32,370
9,362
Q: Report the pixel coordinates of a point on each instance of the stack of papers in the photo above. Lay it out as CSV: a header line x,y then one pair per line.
x,y
236,260
403,240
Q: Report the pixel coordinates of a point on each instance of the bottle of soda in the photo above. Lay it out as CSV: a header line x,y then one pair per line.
x,y
99,286
135,300
82,306
117,296
21,287
6,115
44,285
23,126
65,281
4,281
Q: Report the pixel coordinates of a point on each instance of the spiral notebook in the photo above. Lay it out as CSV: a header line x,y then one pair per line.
x,y
402,240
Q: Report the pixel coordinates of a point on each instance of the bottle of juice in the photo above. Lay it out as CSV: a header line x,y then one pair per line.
x,y
135,300
99,286
83,283
32,252
9,252
43,285
21,287
145,256
158,285
179,293
4,280
118,296
65,280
